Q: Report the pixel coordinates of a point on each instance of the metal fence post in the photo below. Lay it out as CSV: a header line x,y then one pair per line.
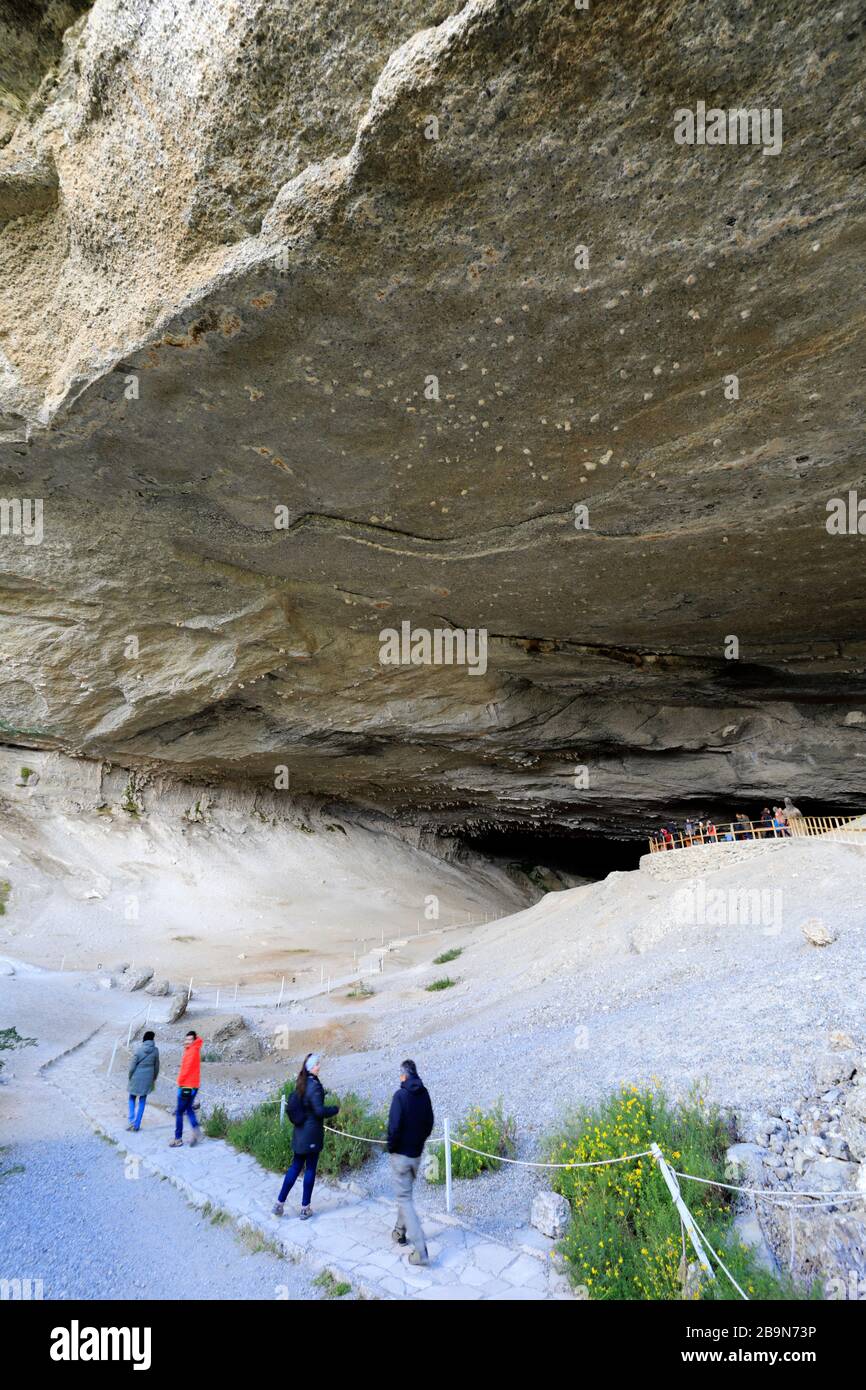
x,y
113,1055
446,1125
282,1110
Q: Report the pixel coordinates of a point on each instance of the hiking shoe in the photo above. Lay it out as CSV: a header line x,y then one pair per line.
x,y
175,1144
416,1258
129,1127
193,1139
278,1208
306,1213
399,1237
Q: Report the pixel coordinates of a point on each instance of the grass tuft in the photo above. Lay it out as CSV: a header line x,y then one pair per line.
x,y
447,956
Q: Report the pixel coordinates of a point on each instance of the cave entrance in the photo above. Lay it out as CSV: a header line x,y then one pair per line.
x,y
582,854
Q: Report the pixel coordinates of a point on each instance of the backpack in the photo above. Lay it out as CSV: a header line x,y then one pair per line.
x,y
296,1109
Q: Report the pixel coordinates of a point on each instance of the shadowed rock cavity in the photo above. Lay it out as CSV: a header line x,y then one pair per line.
x,y
295,349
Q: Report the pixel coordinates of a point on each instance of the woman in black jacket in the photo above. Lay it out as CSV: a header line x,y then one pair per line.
x,y
309,1134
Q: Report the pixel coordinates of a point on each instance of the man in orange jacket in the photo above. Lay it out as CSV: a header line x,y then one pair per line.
x,y
188,1082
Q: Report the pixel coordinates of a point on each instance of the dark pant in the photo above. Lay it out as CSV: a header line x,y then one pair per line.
x,y
135,1118
185,1098
308,1163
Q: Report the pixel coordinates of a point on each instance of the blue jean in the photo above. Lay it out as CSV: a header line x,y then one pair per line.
x,y
135,1119
308,1163
185,1098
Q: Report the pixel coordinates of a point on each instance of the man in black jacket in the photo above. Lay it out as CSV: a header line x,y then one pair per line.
x,y
410,1123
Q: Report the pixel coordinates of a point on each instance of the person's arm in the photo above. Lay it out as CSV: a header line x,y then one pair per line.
x,y
430,1117
316,1097
133,1064
395,1116
156,1068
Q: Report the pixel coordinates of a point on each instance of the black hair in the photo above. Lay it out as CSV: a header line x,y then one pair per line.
x,y
191,1034
148,1036
301,1083
409,1067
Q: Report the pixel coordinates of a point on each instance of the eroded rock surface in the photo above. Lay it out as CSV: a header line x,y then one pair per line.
x,y
231,262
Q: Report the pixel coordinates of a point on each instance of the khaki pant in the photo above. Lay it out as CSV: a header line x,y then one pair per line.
x,y
405,1171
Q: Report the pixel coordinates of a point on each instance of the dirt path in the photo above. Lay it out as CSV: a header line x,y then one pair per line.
x,y
76,1217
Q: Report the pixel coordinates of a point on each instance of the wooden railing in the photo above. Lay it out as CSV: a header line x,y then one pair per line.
x,y
853,828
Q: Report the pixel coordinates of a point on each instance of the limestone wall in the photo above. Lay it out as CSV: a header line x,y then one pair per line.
x,y
675,864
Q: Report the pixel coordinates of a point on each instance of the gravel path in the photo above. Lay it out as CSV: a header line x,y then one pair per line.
x,y
70,1215
72,1220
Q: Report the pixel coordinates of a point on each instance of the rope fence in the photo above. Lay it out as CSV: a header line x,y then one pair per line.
x,y
798,1201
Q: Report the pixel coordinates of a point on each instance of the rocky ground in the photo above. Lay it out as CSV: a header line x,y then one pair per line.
x,y
558,1005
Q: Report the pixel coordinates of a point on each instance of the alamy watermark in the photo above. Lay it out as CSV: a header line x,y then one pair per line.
x,y
696,905
439,646
736,126
846,516
22,516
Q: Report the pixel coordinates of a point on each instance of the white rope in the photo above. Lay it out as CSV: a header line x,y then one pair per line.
x,y
524,1163
362,1138
770,1196
719,1260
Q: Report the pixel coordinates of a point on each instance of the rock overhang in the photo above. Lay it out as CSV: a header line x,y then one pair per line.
x,y
291,373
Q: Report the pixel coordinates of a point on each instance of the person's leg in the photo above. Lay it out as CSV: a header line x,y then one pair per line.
x,y
132,1109
399,1232
178,1114
190,1109
405,1171
142,1102
309,1178
291,1177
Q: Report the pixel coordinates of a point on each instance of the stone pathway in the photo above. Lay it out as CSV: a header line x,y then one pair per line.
x,y
350,1234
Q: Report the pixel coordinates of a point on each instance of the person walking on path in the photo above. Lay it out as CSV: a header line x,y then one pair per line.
x,y
188,1082
143,1071
410,1123
307,1112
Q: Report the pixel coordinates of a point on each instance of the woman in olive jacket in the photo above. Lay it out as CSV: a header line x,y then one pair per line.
x,y
143,1071
309,1135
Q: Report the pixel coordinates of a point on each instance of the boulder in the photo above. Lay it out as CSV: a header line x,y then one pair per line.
x,y
743,1164
828,1175
832,1068
551,1214
817,933
246,1047
6,967
158,987
177,1006
119,968
137,979
223,1029
853,1122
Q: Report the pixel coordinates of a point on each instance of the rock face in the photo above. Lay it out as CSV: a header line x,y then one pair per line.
x,y
299,346
813,1154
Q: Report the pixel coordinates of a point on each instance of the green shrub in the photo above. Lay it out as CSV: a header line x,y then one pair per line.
x,y
11,1040
492,1132
445,983
625,1240
260,1133
447,956
216,1123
